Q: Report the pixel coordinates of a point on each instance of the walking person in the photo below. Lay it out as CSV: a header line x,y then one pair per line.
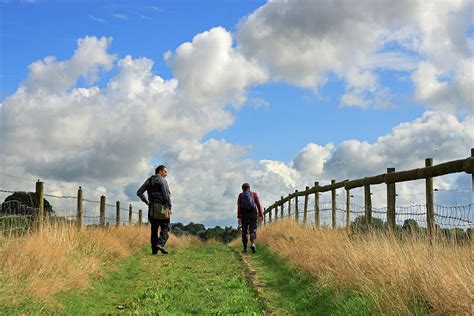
x,y
159,208
249,211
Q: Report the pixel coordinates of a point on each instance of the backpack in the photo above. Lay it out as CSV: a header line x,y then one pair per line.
x,y
247,204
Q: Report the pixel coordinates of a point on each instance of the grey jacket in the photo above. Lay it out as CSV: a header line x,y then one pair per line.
x,y
157,189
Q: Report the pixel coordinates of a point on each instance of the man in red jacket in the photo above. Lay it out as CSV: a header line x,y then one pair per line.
x,y
249,211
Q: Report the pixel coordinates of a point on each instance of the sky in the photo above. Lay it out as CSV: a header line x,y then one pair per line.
x,y
278,94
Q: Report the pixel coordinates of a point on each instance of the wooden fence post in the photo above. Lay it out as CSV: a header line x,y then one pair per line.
x,y
391,200
276,211
79,210
333,205
472,174
305,214
139,217
289,206
316,206
281,208
430,218
296,207
102,211
348,211
130,221
269,215
117,214
368,207
40,202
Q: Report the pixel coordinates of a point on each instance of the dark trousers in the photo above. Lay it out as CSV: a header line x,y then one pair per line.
x,y
165,226
249,226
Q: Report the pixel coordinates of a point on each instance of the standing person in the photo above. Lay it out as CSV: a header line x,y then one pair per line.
x,y
249,211
159,208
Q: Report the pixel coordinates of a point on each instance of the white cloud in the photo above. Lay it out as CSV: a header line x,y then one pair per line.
x,y
209,68
93,17
51,76
120,16
303,42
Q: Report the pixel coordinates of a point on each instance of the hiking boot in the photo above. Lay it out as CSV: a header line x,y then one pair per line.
x,y
154,251
163,250
244,251
253,248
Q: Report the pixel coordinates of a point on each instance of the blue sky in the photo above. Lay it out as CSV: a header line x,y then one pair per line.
x,y
278,94
150,28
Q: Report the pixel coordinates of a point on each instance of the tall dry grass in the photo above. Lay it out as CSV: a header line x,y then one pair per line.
x,y
394,273
60,257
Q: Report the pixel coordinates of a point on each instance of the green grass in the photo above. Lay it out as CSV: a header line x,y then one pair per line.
x,y
289,291
209,279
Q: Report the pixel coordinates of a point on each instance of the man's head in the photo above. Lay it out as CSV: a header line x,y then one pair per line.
x,y
245,187
161,170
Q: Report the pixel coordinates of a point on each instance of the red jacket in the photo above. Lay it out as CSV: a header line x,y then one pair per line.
x,y
257,201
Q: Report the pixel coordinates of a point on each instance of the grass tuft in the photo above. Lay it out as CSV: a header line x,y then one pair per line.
x,y
401,277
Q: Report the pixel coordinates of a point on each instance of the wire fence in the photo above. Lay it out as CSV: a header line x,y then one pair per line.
x,y
362,204
20,213
450,217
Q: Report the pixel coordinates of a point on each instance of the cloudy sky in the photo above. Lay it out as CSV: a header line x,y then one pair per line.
x,y
278,94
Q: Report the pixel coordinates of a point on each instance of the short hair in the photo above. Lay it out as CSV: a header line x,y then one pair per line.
x,y
160,167
245,186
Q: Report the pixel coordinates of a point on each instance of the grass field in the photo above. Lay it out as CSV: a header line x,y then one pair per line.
x,y
400,275
66,271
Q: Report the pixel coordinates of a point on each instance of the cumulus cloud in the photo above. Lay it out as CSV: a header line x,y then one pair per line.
x,y
436,134
106,136
209,68
52,76
454,94
303,42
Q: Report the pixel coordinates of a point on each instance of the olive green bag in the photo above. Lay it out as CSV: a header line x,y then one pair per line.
x,y
159,211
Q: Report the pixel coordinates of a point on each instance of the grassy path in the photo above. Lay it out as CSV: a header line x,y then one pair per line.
x,y
209,279
206,279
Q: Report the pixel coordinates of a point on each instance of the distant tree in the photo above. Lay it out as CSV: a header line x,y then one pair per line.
x,y
358,224
25,205
177,231
195,229
229,234
225,235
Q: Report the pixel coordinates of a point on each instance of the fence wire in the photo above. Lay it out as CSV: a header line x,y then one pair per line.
x,y
446,217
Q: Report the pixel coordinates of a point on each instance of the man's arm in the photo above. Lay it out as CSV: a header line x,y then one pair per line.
x,y
141,192
165,191
239,215
259,206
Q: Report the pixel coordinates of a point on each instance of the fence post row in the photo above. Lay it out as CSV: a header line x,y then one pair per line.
x,y
80,212
390,178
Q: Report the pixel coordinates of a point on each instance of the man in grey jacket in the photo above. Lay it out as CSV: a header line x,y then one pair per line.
x,y
159,208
